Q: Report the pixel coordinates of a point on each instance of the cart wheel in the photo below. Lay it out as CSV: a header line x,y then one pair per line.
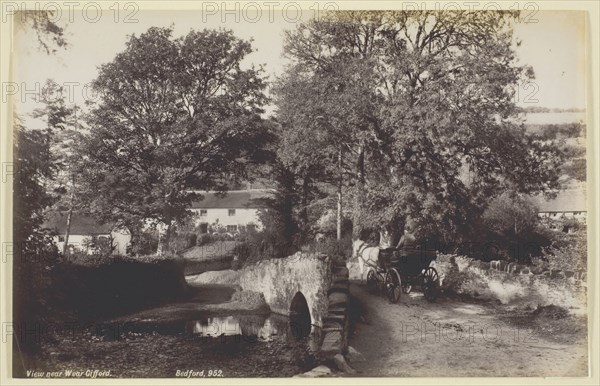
x,y
393,285
380,281
372,281
431,284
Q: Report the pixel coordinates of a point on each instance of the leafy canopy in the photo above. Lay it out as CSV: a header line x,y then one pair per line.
x,y
429,96
175,115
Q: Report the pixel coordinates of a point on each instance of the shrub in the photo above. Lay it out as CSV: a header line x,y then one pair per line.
x,y
216,229
192,239
182,241
576,169
337,250
32,283
567,225
203,239
222,236
327,224
242,251
510,230
511,215
568,251
144,243
246,232
97,246
262,246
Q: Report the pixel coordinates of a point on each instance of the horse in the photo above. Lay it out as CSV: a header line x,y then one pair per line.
x,y
366,255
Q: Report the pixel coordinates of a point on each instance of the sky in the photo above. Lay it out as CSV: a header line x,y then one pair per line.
x,y
553,43
556,48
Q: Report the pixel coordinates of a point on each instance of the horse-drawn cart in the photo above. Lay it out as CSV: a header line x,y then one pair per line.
x,y
400,270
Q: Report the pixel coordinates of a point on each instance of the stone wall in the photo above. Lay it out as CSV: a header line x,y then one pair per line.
x,y
512,283
335,324
280,279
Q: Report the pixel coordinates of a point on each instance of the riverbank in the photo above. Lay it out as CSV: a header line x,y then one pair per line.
x,y
155,355
219,329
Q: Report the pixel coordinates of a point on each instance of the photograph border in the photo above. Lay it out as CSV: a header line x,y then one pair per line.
x,y
592,75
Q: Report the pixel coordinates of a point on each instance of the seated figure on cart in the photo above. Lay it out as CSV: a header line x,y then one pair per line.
x,y
408,241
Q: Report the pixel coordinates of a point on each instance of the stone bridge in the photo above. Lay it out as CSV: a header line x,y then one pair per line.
x,y
309,288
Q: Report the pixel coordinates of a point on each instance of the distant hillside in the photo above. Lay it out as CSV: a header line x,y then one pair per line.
x,y
557,130
540,109
569,130
554,118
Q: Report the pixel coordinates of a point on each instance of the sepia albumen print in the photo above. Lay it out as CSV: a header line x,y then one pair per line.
x,y
298,190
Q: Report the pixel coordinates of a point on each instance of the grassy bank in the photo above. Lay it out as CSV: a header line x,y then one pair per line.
x,y
93,289
86,290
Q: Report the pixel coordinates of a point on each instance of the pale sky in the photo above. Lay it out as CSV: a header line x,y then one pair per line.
x,y
554,45
556,48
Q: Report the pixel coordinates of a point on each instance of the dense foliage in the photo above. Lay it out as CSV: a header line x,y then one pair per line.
x,y
174,115
420,105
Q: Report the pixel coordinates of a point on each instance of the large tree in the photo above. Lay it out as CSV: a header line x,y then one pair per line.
x,y
174,115
426,98
326,105
309,145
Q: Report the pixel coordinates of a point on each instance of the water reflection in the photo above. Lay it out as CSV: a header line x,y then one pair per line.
x,y
214,327
262,328
274,336
273,340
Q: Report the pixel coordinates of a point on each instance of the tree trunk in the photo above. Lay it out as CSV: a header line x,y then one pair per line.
x,y
360,192
339,197
163,241
69,215
304,228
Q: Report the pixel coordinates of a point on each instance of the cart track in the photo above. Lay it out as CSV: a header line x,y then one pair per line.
x,y
454,338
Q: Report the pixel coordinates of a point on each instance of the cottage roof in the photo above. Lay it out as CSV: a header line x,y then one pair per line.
x,y
233,199
80,224
569,200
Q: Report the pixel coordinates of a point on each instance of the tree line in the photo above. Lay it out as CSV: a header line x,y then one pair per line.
x,y
380,117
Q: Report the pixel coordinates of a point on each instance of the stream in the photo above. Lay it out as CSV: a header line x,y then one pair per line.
x,y
234,345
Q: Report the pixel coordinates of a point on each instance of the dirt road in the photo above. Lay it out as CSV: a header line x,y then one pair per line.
x,y
458,338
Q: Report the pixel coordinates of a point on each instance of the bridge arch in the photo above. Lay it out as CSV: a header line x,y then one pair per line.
x,y
300,317
302,279
311,289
